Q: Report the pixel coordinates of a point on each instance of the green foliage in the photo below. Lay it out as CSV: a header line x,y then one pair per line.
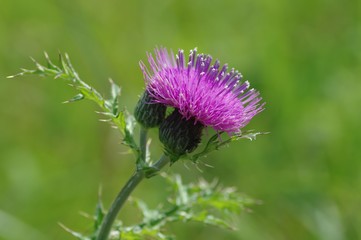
x,y
203,202
216,142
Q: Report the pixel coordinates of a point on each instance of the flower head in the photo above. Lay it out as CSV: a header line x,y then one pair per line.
x,y
149,114
205,93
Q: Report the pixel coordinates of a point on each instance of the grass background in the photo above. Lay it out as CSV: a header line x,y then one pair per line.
x,y
304,57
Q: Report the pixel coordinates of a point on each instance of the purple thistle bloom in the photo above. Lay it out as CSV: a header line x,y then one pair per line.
x,y
198,90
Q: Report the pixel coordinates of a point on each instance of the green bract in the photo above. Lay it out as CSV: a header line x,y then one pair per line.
x,y
179,135
148,113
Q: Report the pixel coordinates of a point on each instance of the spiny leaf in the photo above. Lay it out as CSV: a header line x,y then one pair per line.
x,y
216,142
205,217
204,202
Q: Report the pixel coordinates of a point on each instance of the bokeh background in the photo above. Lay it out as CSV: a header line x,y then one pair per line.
x,y
304,57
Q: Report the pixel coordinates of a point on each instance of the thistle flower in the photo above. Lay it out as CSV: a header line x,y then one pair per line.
x,y
205,95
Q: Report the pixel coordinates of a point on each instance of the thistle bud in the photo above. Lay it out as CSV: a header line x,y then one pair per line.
x,y
148,113
179,135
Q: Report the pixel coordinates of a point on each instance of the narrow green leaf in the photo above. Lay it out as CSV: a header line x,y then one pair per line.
x,y
115,89
77,97
99,214
79,236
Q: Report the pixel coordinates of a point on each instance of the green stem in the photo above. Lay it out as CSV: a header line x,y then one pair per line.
x,y
143,148
156,167
118,203
123,195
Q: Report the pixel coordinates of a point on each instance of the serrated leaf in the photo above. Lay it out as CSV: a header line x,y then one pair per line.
x,y
148,214
127,127
205,217
143,233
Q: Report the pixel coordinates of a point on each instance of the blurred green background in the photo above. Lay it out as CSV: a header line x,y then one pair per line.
x,y
304,57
